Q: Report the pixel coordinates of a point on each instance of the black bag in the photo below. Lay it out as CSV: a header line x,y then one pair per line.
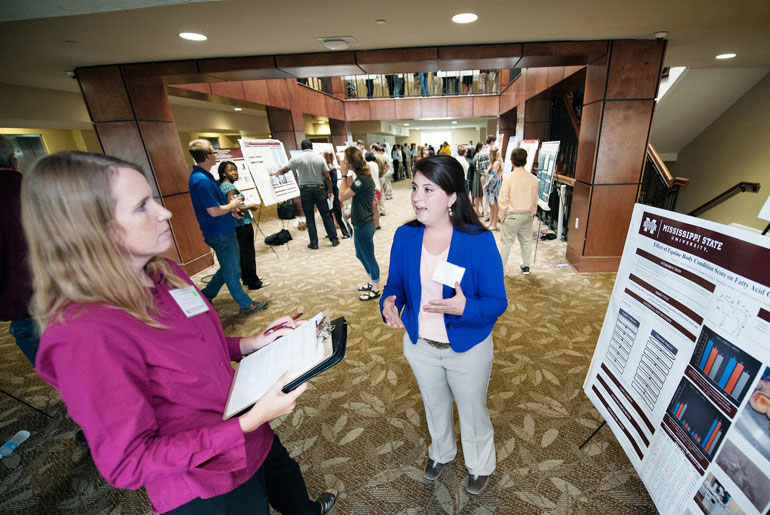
x,y
279,238
286,210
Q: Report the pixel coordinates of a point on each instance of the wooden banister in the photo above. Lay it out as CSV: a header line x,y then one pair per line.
x,y
571,114
569,181
738,188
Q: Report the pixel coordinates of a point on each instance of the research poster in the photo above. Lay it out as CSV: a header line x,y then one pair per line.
x,y
245,182
530,145
681,371
262,157
507,165
546,167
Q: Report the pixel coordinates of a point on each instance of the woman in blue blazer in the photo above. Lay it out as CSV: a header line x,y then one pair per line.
x,y
448,339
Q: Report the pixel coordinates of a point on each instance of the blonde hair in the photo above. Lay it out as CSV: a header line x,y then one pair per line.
x,y
68,215
199,149
355,159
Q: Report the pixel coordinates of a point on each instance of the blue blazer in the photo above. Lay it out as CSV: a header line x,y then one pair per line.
x,y
482,284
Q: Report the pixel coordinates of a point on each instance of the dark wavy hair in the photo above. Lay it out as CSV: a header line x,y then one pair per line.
x,y
447,174
221,170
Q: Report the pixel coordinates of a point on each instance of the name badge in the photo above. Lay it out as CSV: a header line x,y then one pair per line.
x,y
448,273
189,301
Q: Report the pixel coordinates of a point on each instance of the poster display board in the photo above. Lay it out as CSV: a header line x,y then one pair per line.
x,y
320,148
681,370
262,157
531,146
507,165
245,182
546,167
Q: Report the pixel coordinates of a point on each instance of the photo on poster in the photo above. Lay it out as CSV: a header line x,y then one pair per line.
x,y
754,423
724,365
713,499
702,423
746,475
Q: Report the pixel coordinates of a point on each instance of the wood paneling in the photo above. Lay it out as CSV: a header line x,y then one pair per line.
x,y
462,107
535,81
555,74
479,57
185,227
635,68
279,119
408,109
538,110
242,68
596,80
279,92
200,263
433,107
399,60
611,209
382,109
486,105
200,87
561,53
581,199
322,64
623,144
161,140
593,264
256,91
536,130
105,93
148,98
335,108
229,89
308,100
122,140
590,124
357,110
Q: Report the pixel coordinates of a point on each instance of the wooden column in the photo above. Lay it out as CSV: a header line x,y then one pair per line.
x,y
617,113
340,130
507,129
537,119
132,118
286,126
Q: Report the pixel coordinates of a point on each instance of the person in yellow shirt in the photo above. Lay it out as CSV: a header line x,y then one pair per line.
x,y
517,206
445,149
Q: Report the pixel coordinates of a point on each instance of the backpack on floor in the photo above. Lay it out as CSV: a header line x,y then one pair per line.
x,y
279,238
286,210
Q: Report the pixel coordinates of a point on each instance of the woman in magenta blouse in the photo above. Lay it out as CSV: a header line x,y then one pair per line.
x,y
448,338
139,355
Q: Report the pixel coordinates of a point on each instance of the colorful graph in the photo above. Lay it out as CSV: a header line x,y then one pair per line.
x,y
724,365
702,421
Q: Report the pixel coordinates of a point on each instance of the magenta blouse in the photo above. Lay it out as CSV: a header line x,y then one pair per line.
x,y
150,401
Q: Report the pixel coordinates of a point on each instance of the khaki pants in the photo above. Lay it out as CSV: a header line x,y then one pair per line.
x,y
443,375
516,225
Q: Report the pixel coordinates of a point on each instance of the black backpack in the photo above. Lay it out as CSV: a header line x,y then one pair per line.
x,y
286,210
279,238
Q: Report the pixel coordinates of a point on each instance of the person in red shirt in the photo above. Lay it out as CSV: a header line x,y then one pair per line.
x,y
138,354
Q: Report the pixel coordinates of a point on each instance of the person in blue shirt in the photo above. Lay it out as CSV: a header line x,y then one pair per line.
x,y
448,339
215,218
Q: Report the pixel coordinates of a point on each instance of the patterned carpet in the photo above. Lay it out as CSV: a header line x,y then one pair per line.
x,y
360,427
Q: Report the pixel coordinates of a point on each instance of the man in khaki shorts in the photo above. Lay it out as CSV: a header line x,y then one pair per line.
x,y
517,206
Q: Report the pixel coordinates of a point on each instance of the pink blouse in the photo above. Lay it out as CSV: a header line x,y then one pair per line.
x,y
431,325
150,401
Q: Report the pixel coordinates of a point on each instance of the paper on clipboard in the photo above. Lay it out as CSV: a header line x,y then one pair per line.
x,y
297,352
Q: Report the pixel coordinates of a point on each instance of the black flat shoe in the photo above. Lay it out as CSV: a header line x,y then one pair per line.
x,y
327,500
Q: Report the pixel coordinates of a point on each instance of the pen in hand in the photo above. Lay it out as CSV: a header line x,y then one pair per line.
x,y
282,325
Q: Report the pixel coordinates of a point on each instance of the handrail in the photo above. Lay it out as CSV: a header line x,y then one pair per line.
x,y
571,114
569,181
742,186
665,174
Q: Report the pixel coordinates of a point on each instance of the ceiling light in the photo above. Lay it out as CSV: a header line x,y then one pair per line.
x,y
192,36
380,21
237,109
335,44
406,125
321,121
725,56
454,122
465,18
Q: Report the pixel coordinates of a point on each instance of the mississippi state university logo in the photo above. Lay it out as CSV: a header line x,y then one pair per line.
x,y
650,225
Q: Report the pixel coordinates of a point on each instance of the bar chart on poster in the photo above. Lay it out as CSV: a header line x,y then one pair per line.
x,y
680,372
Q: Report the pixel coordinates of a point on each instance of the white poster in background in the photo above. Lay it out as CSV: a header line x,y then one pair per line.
x,y
531,146
245,182
320,148
507,165
680,372
546,168
262,157
764,213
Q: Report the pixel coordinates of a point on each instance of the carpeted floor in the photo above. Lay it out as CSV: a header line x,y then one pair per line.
x,y
360,427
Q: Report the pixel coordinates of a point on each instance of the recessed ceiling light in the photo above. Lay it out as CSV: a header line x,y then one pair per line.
x,y
321,121
454,122
465,18
725,56
406,125
237,109
192,36
380,21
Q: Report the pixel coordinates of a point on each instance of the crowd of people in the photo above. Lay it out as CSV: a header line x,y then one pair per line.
x,y
138,352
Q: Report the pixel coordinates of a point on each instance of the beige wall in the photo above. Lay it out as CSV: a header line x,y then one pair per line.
x,y
58,140
734,148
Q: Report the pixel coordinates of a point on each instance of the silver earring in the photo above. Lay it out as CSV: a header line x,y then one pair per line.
x,y
450,210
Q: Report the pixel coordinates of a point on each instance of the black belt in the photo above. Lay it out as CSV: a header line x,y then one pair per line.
x,y
438,345
311,185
